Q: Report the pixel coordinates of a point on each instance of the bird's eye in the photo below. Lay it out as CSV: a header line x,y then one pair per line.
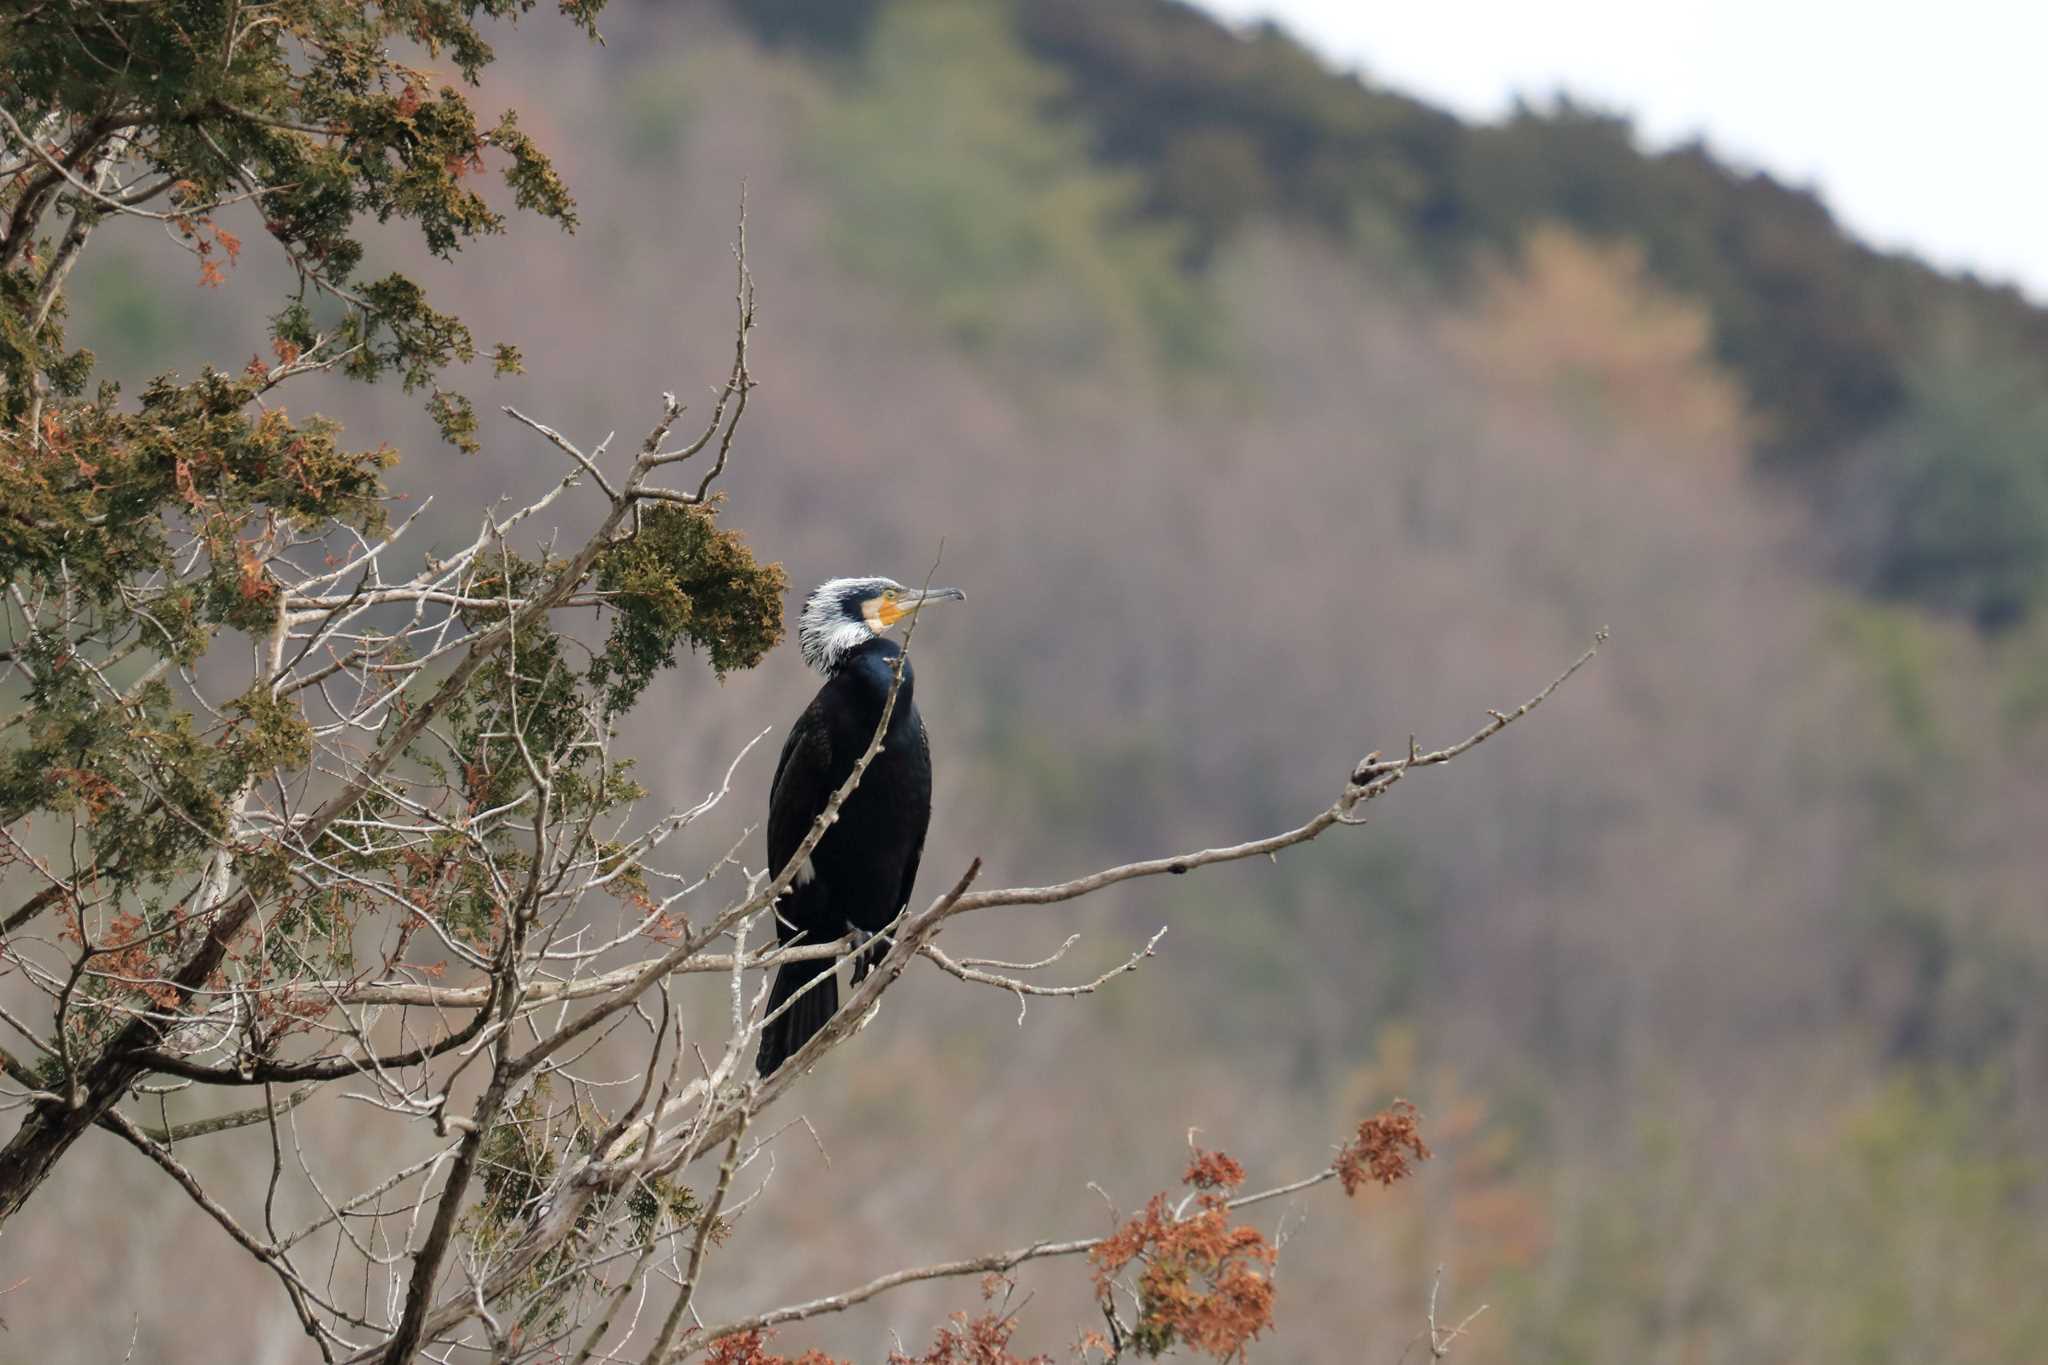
x,y
888,594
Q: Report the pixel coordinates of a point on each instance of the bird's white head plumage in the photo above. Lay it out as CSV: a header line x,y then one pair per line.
x,y
845,613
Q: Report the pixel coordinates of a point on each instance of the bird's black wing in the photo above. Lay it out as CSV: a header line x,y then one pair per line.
x,y
920,821
805,777
803,784
924,751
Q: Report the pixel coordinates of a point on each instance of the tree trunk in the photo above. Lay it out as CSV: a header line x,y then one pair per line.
x,y
50,1128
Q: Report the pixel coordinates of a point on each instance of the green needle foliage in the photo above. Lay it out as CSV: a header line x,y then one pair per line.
x,y
298,108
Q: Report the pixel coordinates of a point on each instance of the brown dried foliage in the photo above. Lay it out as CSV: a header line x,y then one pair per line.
x,y
1382,1148
1202,1283
1212,1171
750,1348
982,1340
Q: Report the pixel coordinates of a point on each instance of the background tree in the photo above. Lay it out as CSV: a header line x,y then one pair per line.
x,y
284,812
1950,506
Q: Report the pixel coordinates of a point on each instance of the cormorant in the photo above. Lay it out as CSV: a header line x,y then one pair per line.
x,y
858,878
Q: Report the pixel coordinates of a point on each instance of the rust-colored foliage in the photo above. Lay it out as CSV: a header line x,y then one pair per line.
x,y
124,956
750,1348
1382,1148
1587,329
1212,1171
1202,1283
982,1339
93,792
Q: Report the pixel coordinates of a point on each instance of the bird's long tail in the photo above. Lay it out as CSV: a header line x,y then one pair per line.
x,y
783,1034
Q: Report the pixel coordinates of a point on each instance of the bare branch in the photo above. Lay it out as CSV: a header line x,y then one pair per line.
x,y
1024,989
563,444
221,1123
993,1263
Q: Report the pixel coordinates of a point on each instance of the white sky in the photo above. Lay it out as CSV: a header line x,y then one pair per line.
x,y
1921,122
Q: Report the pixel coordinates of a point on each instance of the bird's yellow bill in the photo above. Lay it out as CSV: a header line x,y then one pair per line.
x,y
886,612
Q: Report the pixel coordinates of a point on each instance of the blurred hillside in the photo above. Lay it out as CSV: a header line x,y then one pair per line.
x,y
1839,348
1268,418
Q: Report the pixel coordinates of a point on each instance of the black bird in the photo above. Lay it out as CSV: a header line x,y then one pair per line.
x,y
858,878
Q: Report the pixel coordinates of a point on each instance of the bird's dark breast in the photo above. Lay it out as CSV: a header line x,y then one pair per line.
x,y
863,866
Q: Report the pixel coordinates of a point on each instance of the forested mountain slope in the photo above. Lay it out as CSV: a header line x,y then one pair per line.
x,y
1844,352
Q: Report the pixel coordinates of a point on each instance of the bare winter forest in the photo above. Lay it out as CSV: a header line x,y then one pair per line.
x,y
1718,985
